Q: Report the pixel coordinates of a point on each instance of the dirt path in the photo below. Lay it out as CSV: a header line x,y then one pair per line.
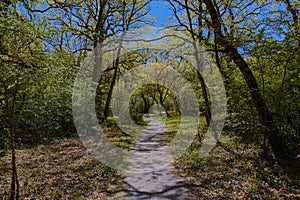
x,y
151,174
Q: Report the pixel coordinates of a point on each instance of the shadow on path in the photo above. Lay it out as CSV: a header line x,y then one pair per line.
x,y
151,174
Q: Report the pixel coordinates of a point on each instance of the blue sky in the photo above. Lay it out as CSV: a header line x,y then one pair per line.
x,y
161,11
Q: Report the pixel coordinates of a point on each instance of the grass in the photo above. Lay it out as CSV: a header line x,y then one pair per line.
x,y
125,141
120,138
172,125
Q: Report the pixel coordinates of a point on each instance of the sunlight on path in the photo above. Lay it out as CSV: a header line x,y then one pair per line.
x,y
151,174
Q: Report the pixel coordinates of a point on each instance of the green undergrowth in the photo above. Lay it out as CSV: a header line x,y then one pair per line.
x,y
124,141
172,125
118,137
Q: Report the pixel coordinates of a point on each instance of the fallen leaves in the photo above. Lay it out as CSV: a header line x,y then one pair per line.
x,y
222,175
61,170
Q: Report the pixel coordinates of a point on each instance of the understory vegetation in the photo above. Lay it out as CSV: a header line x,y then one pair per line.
x,y
233,170
48,98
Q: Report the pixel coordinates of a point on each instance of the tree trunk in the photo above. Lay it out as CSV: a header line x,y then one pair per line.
x,y
205,96
278,146
201,79
146,104
109,95
14,190
198,59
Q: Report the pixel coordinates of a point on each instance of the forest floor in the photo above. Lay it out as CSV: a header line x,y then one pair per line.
x,y
63,169
224,175
231,171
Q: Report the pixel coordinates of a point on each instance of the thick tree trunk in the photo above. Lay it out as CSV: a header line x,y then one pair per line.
x,y
278,146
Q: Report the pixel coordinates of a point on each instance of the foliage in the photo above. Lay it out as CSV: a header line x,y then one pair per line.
x,y
43,43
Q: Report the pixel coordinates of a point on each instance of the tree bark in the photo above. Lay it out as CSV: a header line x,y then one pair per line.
x,y
279,148
109,95
201,79
14,190
198,59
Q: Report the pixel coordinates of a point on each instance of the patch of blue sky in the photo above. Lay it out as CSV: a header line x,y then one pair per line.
x,y
161,12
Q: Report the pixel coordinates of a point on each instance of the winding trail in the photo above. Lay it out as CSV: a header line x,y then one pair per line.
x,y
151,174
